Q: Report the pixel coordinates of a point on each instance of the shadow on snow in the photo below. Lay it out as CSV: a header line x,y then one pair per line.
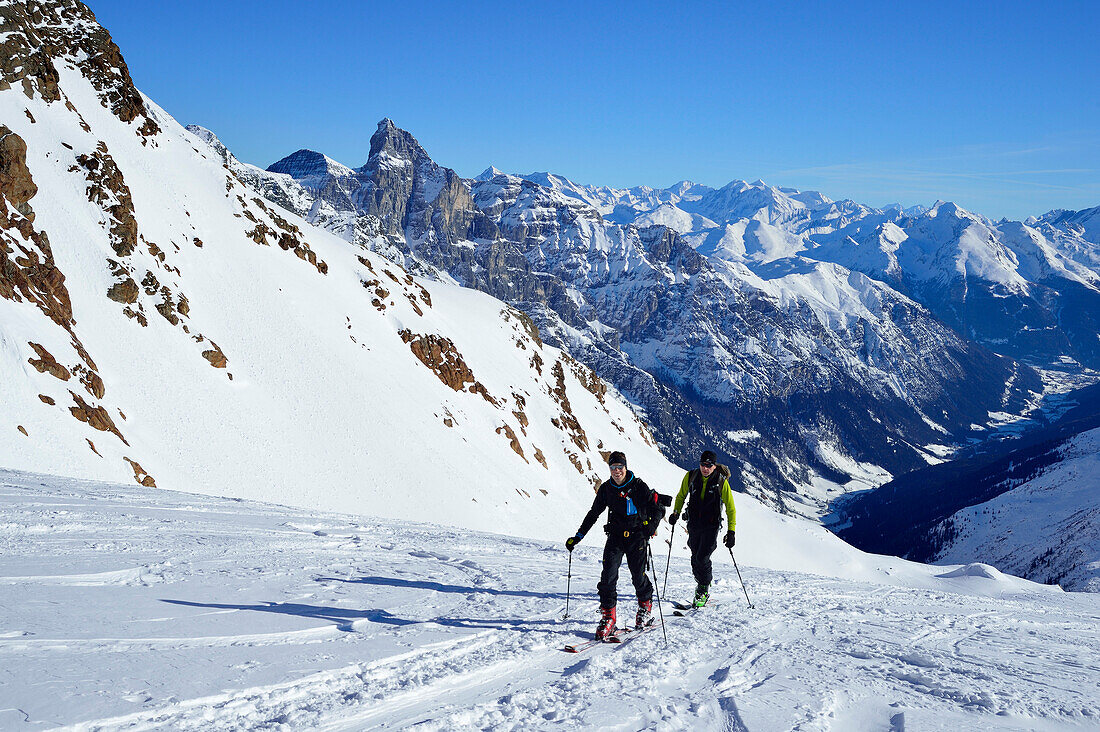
x,y
440,587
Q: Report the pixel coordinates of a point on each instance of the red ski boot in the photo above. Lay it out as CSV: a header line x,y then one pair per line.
x,y
645,614
606,628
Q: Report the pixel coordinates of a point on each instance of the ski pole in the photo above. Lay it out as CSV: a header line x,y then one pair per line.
x,y
661,610
664,588
568,582
751,606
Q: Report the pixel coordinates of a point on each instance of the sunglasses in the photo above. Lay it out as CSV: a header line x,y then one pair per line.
x,y
617,466
706,465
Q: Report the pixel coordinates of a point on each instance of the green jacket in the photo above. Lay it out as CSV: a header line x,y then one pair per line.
x,y
721,473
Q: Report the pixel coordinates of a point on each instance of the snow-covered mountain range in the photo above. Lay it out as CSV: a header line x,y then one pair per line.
x,y
1024,289
746,310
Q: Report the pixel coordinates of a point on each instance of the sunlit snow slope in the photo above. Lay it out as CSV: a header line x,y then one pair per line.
x,y
127,608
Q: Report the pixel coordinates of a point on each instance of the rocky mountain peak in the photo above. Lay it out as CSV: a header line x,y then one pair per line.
x,y
391,145
947,209
489,173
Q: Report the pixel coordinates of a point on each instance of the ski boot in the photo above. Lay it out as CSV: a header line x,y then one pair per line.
x,y
645,614
606,628
702,594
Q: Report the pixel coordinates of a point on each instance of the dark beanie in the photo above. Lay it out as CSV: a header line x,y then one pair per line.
x,y
708,456
616,458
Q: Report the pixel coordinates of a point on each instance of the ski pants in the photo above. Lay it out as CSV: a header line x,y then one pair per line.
x,y
702,541
634,547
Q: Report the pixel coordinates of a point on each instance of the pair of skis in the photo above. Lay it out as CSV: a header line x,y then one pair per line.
x,y
622,635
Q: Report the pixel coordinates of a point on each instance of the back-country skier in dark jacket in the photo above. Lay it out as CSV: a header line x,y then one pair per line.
x,y
635,511
709,489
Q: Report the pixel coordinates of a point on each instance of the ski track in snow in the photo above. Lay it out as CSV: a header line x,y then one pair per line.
x,y
131,609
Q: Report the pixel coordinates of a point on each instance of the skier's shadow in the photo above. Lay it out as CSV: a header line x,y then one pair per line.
x,y
344,618
440,587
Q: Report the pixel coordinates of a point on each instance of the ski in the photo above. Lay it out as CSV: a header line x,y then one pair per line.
x,y
578,647
585,645
627,634
683,610
620,636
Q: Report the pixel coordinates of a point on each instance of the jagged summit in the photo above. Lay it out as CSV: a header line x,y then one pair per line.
x,y
390,145
946,208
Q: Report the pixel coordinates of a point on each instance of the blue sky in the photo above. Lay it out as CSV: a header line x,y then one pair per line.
x,y
993,105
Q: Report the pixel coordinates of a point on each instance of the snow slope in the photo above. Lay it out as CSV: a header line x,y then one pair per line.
x,y
219,344
128,608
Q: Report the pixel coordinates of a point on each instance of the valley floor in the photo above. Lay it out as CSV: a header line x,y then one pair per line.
x,y
131,608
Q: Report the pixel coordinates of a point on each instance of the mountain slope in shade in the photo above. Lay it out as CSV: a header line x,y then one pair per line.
x,y
1026,505
1046,527
161,322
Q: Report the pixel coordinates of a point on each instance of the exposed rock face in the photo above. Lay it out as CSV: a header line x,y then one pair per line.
x,y
96,417
140,475
27,269
441,356
108,189
37,34
46,363
16,184
216,358
508,432
125,291
567,422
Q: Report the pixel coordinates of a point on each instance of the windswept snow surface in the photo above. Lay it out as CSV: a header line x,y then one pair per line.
x,y
129,608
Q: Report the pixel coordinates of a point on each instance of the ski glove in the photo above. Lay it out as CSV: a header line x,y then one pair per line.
x,y
673,519
571,542
730,540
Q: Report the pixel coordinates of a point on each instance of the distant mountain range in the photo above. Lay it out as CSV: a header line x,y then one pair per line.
x,y
853,343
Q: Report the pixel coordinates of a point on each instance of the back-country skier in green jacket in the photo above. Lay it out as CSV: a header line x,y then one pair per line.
x,y
706,489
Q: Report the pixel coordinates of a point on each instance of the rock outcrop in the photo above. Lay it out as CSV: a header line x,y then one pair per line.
x,y
36,35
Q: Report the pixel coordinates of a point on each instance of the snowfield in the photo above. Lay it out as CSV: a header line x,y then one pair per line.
x,y
123,607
